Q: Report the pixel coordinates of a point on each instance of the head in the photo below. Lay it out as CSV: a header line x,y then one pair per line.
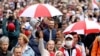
x,y
59,33
4,43
75,36
69,40
64,25
23,39
28,30
17,51
51,24
50,45
34,22
11,27
22,28
58,43
24,19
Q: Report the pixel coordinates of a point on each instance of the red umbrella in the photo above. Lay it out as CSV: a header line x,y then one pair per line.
x,y
83,27
40,10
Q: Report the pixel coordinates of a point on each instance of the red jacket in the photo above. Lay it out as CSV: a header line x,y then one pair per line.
x,y
78,52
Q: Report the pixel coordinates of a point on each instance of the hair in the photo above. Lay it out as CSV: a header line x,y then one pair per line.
x,y
16,47
37,33
25,38
4,39
59,29
57,40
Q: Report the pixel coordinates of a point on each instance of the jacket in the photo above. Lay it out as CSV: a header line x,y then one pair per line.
x,y
7,54
28,51
47,33
74,51
34,45
13,36
95,48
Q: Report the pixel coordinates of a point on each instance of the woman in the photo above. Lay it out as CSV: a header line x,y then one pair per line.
x,y
50,46
26,49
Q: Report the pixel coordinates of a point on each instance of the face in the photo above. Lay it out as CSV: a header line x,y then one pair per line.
x,y
64,26
20,40
75,37
51,24
18,52
22,28
69,42
24,19
4,46
58,34
59,44
50,45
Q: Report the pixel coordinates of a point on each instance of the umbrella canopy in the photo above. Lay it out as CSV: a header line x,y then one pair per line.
x,y
39,10
83,27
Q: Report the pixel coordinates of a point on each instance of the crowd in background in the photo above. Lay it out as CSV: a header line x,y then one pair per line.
x,y
24,36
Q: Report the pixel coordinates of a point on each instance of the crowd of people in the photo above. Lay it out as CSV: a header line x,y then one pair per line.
x,y
25,36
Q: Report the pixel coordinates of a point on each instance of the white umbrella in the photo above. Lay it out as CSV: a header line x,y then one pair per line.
x,y
40,10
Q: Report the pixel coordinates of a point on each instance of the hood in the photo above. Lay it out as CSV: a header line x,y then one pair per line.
x,y
33,21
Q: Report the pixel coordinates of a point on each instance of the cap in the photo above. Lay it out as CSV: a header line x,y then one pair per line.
x,y
11,26
69,36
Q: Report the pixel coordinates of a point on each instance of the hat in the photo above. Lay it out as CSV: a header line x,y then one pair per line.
x,y
11,26
28,26
69,36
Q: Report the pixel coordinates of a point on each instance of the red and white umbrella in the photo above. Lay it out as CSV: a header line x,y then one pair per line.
x,y
83,27
40,10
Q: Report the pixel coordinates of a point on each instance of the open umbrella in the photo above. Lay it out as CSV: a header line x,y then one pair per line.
x,y
39,10
83,27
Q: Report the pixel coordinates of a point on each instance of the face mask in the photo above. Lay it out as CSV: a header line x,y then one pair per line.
x,y
69,43
27,33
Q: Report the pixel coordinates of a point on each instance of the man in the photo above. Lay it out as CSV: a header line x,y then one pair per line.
x,y
17,51
11,28
4,44
50,32
69,48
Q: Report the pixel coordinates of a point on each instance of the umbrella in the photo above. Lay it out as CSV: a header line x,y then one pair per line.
x,y
83,27
39,10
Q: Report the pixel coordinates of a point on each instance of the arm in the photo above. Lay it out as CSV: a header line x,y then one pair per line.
x,y
17,29
94,48
5,32
41,45
42,49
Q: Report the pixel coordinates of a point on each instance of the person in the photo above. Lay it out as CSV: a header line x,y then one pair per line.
x,y
34,43
23,43
11,29
69,48
17,51
58,44
50,32
50,46
78,43
60,35
34,22
95,47
4,44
